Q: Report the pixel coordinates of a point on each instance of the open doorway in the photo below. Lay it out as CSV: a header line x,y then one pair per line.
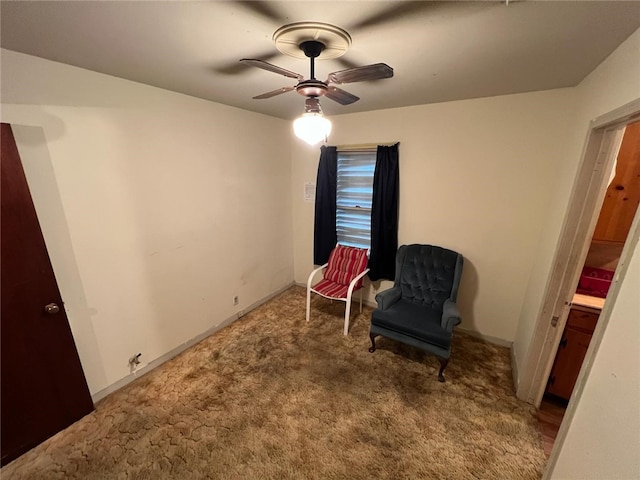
x,y
599,156
614,222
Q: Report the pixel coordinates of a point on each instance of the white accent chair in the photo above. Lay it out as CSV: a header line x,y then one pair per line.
x,y
343,274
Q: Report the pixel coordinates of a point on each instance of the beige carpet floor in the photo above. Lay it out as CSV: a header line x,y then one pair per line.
x,y
274,397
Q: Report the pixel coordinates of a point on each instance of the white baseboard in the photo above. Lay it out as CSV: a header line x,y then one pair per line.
x,y
96,397
495,340
514,369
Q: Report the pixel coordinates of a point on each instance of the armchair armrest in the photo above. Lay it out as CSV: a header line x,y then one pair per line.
x,y
313,274
388,297
450,315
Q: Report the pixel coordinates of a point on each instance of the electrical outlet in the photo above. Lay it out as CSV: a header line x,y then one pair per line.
x,y
134,361
236,300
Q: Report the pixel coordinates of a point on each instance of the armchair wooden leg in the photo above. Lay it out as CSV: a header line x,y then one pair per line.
x,y
372,348
443,364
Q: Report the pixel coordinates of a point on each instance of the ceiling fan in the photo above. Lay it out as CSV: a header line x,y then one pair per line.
x,y
317,40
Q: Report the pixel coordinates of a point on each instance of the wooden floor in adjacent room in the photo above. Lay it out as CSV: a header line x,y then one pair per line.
x,y
550,417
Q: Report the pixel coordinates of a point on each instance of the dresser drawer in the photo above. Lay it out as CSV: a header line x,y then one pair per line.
x,y
582,320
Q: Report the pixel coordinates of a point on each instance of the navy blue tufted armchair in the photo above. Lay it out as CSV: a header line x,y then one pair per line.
x,y
420,309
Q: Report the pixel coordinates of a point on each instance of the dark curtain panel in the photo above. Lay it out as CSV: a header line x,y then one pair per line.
x,y
324,235
384,214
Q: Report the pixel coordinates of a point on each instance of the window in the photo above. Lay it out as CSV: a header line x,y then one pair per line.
x,y
354,194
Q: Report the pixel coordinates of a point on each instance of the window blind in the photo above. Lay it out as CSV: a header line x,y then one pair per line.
x,y
353,197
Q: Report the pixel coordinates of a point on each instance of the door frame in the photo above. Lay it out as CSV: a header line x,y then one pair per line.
x,y
601,147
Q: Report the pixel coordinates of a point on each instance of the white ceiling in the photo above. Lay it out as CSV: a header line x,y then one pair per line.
x,y
440,51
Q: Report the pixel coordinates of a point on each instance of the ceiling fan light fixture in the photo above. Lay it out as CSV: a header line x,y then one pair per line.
x,y
312,127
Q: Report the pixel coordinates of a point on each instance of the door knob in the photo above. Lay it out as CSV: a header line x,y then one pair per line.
x,y
51,308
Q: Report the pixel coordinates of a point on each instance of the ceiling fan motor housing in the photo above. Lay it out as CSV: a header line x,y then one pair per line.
x,y
312,88
312,48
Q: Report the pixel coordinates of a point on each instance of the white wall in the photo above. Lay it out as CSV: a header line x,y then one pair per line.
x,y
603,438
476,176
613,84
157,208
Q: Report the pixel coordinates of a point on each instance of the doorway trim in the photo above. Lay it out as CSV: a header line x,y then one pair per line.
x,y
603,141
598,157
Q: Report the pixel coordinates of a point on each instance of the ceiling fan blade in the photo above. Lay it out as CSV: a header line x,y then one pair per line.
x,y
392,13
347,63
376,71
397,11
273,93
234,67
271,68
342,97
264,9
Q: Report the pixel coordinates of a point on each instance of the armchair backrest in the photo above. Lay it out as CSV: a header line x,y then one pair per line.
x,y
345,264
428,275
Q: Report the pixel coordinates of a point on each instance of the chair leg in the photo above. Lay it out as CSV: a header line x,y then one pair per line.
x,y
372,348
361,299
443,364
308,303
347,313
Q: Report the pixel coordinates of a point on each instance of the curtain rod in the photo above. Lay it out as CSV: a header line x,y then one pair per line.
x,y
364,146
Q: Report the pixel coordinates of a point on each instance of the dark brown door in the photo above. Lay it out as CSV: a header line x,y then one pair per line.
x,y
43,386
